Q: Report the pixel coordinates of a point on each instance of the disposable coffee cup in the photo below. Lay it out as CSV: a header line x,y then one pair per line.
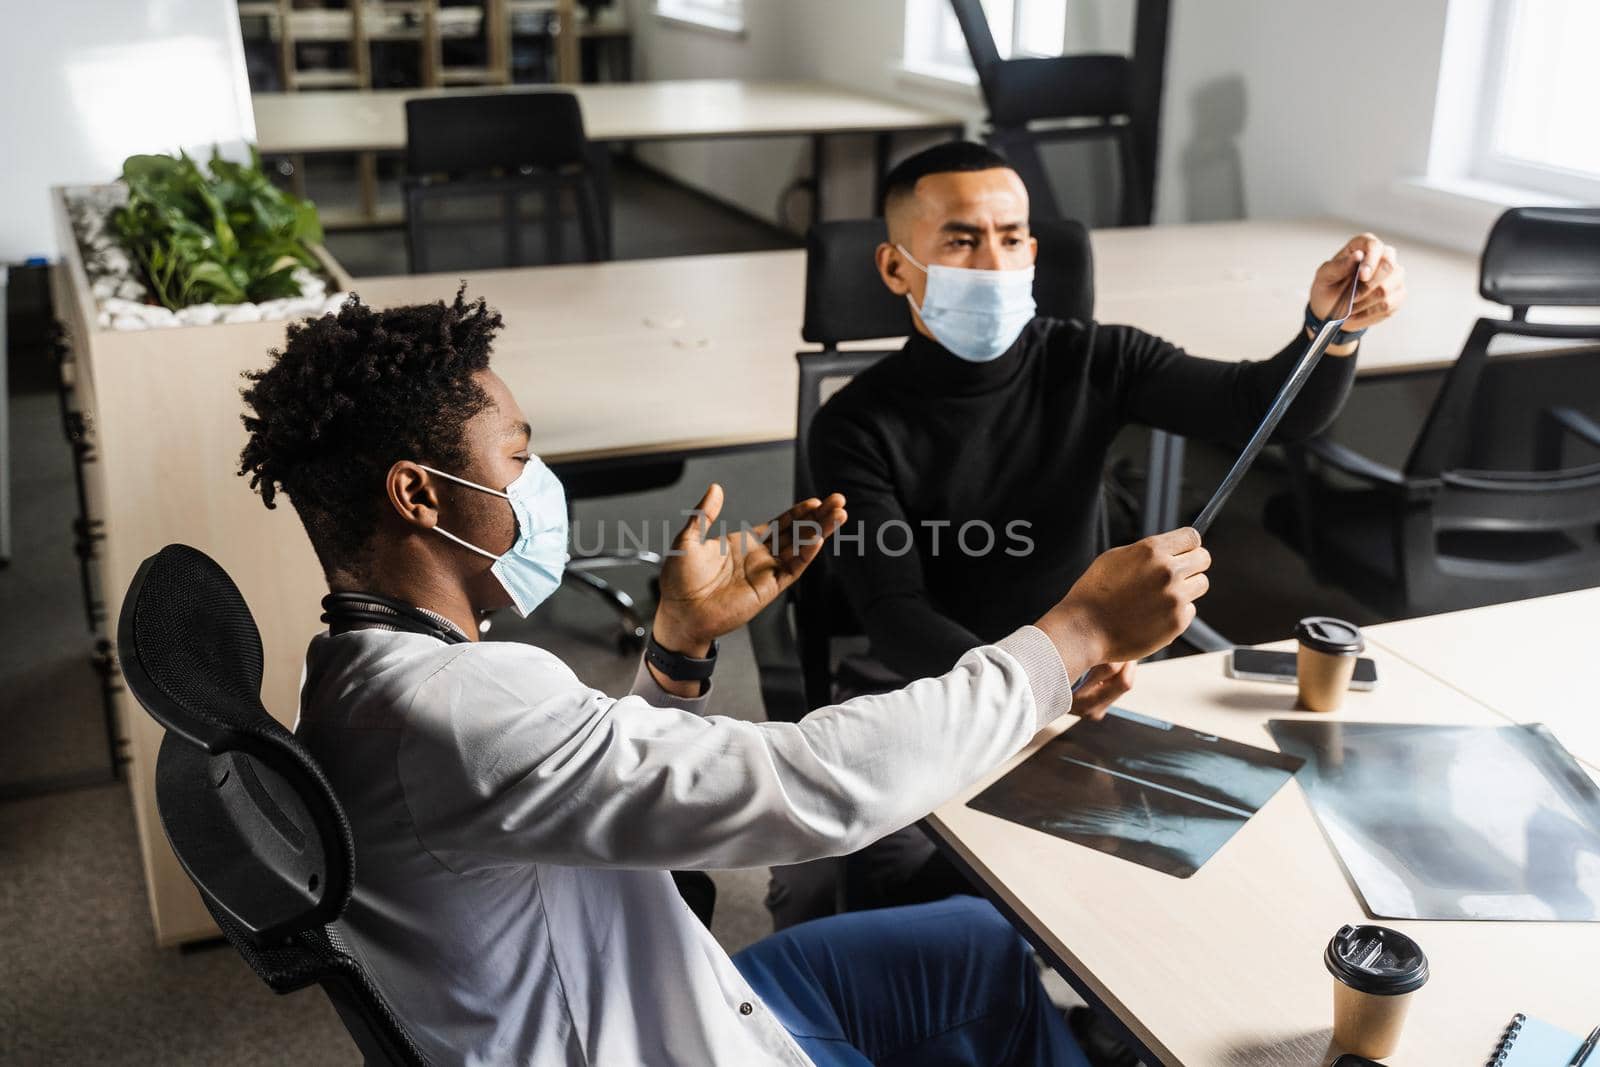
x,y
1326,660
1375,970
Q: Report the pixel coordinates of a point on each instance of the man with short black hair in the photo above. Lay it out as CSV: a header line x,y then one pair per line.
x,y
514,828
995,414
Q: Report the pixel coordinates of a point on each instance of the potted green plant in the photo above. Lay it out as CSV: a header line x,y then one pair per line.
x,y
223,234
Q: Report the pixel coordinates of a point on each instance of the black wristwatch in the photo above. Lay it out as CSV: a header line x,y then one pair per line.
x,y
1340,336
676,665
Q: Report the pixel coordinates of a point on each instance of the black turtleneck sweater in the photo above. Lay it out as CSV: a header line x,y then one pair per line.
x,y
923,443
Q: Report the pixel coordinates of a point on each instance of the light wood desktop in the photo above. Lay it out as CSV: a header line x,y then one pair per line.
x,y
289,123
1530,661
1226,967
663,357
374,121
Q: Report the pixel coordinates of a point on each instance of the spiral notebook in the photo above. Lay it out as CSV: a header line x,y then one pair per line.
x,y
1531,1042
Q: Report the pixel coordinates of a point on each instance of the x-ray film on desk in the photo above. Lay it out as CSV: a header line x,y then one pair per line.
x,y
1156,794
1454,822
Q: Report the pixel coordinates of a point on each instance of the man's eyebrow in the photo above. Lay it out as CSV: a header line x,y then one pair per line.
x,y
522,429
957,226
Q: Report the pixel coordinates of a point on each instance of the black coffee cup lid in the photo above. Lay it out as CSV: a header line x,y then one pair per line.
x,y
1376,959
1323,633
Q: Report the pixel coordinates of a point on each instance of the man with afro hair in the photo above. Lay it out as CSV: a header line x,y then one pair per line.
x,y
514,828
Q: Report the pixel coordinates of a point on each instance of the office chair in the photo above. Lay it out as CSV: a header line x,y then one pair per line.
x,y
1487,507
1123,93
504,146
465,153
846,301
246,809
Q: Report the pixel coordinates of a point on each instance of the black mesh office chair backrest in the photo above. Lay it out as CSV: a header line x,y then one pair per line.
x,y
473,164
480,133
247,810
845,301
1534,257
1030,97
1025,89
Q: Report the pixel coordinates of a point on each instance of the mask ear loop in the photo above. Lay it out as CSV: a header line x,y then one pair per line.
x,y
913,260
469,484
468,545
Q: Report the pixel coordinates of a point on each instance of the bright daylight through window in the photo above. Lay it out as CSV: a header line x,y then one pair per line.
x,y
718,14
934,45
1542,128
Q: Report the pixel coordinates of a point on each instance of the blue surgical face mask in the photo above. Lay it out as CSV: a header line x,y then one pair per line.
x,y
530,570
976,314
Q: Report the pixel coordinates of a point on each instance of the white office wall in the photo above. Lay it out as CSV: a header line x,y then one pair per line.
x,y
1271,109
86,83
748,174
1317,109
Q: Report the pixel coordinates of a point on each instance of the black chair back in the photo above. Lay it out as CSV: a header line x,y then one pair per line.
x,y
846,301
1122,91
1534,257
247,810
473,162
463,135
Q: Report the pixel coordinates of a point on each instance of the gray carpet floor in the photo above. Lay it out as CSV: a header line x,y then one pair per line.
x,y
80,978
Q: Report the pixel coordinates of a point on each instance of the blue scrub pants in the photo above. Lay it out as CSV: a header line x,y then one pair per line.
x,y
930,985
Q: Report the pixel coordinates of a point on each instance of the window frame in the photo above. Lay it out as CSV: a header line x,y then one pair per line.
x,y
723,16
1484,162
924,50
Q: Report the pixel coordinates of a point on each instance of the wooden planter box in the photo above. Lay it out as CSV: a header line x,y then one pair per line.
x,y
151,486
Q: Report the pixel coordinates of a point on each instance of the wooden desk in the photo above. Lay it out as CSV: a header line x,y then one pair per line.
x,y
710,109
663,357
1530,661
1226,967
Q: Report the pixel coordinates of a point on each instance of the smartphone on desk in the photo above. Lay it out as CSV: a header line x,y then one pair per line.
x,y
1350,1059
1259,665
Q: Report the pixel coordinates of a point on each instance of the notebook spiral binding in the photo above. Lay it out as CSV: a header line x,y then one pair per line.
x,y
1507,1039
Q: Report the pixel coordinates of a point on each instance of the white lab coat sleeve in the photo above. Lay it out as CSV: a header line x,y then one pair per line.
x,y
506,758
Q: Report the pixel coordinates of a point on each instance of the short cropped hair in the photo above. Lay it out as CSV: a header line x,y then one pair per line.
x,y
949,157
351,394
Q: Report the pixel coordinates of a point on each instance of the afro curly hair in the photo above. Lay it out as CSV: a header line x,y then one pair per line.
x,y
348,396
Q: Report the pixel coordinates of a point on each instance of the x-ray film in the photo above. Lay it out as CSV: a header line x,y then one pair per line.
x,y
1454,822
1158,795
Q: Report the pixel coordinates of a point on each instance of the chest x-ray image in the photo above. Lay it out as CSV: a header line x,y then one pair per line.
x,y
1454,822
1156,794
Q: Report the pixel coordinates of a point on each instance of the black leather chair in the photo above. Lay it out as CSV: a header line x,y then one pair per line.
x,y
245,807
1488,506
1031,99
846,301
471,161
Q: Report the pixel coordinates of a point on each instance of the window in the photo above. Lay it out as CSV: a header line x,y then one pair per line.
x,y
934,44
1541,128
727,15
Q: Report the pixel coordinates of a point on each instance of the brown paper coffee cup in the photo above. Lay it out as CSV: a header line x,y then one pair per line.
x,y
1368,1024
1375,971
1326,660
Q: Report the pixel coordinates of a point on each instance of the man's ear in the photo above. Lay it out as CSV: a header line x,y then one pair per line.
x,y
891,268
413,495
1033,249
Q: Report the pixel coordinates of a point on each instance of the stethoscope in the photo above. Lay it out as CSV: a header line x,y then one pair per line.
x,y
354,611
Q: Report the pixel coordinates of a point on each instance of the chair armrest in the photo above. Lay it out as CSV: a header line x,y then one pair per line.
x,y
1354,463
1201,637
1576,423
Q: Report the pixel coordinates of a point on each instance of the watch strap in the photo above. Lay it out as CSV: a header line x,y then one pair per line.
x,y
1340,336
676,665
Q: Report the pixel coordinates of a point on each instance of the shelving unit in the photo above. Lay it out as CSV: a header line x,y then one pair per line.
x,y
348,32
356,27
